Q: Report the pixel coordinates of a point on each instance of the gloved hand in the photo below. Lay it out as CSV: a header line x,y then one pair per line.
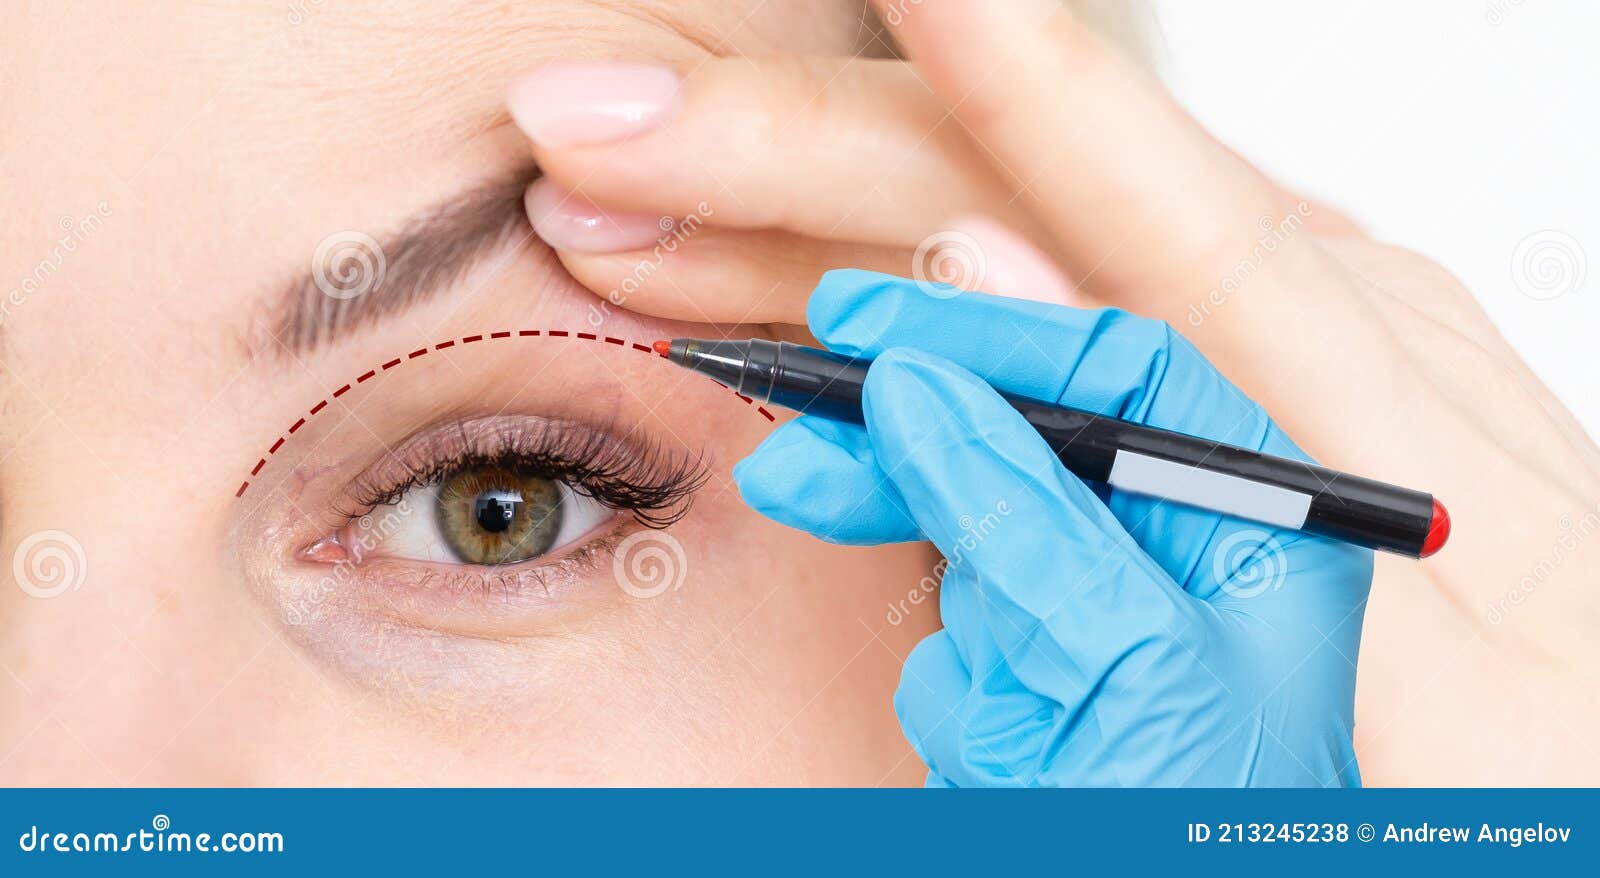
x,y
1091,637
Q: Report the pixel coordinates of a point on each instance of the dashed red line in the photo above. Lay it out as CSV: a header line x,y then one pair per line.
x,y
524,333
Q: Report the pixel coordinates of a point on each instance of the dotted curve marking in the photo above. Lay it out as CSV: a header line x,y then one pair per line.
x,y
445,345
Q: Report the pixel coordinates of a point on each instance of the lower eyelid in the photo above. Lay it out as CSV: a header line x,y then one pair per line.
x,y
407,630
528,599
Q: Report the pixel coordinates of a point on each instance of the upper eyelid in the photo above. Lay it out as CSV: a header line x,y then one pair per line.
x,y
659,484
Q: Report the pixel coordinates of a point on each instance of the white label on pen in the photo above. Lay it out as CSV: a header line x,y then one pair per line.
x,y
1181,483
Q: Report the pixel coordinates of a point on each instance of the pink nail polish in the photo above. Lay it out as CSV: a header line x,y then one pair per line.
x,y
572,103
568,221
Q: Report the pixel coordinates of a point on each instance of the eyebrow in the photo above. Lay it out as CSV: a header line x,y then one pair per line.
x,y
355,280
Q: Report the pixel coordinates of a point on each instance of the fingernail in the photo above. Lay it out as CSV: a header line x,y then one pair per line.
x,y
568,221
571,104
1012,266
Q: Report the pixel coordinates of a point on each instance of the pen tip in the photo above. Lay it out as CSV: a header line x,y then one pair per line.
x,y
662,347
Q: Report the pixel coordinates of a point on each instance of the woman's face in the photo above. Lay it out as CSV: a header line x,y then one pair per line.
x,y
230,568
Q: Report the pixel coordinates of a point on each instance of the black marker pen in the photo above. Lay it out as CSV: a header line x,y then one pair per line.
x,y
1127,456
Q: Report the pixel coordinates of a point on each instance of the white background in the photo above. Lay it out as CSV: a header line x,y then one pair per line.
x,y
1458,129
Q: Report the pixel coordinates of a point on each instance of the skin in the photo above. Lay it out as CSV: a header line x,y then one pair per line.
x,y
140,384
194,643
1083,184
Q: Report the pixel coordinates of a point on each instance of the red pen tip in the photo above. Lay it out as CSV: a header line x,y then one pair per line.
x,y
662,347
1438,530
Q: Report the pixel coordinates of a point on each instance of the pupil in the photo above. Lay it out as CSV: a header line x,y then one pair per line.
x,y
495,510
497,515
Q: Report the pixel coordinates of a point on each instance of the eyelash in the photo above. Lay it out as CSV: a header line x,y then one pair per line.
x,y
652,483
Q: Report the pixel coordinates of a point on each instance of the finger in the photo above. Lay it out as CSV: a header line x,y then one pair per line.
x,y
820,476
934,684
1005,725
685,269
978,254
840,148
1106,361
1067,587
1321,219
1137,194
970,731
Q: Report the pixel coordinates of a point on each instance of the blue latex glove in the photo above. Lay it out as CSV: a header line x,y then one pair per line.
x,y
1091,637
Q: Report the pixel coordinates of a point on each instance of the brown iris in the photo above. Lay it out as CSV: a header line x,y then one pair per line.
x,y
496,515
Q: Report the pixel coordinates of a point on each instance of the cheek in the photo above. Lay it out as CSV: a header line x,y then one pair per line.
x,y
786,612
771,639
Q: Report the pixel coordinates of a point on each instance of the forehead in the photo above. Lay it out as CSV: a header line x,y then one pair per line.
x,y
326,72
229,135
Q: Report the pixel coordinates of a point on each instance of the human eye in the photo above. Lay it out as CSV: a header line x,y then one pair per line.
x,y
497,502
490,514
